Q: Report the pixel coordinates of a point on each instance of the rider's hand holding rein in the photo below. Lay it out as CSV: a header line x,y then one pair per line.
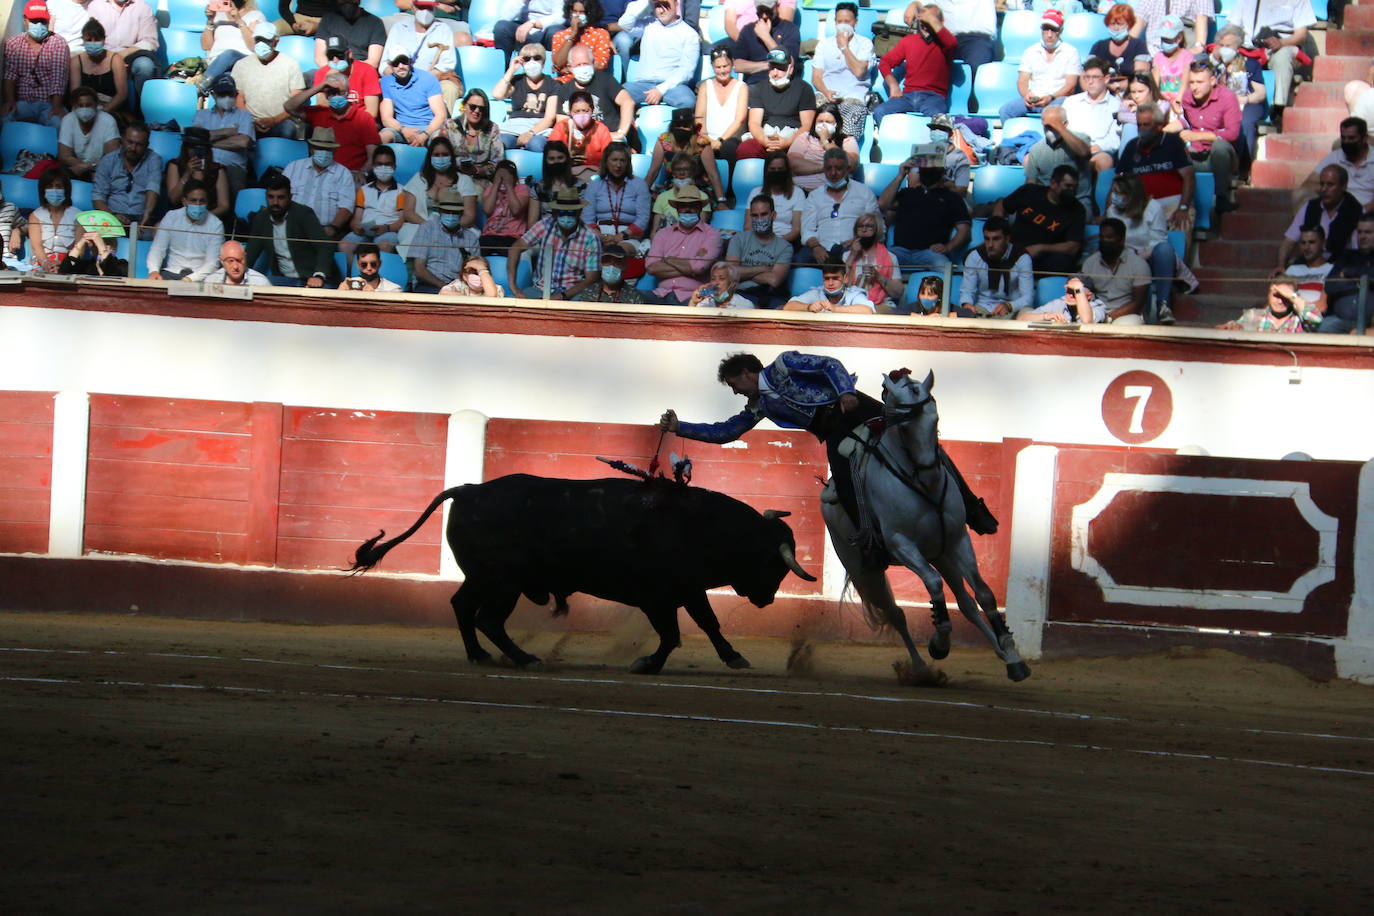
x,y
848,401
668,422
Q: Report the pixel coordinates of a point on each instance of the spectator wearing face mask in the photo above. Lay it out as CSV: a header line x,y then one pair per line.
x,y
195,162
85,134
1353,155
721,291
1160,160
231,131
830,211
1049,70
94,66
767,32
380,207
266,79
871,266
927,55
1243,75
36,71
1119,275
352,130
532,96
323,184
583,30
833,295
611,104
807,152
586,137
227,37
1192,15
1080,304
930,222
779,109
1147,234
840,68
364,81
1122,45
1334,209
361,32
367,278
762,257
443,244
52,225
431,45
475,280
131,33
1171,62
1047,222
567,253
188,239
681,253
612,286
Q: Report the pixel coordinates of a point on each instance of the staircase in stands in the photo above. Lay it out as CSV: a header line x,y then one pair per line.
x,y
1233,265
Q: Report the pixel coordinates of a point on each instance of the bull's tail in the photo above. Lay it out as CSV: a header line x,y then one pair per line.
x,y
370,553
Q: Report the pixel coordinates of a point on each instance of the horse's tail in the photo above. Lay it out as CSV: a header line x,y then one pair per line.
x,y
874,616
370,553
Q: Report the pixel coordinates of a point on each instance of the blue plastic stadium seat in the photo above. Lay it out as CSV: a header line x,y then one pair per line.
x,y
481,68
483,16
898,133
248,202
715,25
380,8
168,101
995,85
1103,188
804,278
301,49
165,143
993,182
961,85
277,151
1179,242
1020,31
747,178
188,15
409,160
1049,288
527,164
729,220
20,135
1083,30
81,194
639,165
1016,126
180,43
808,22
20,191
498,264
878,175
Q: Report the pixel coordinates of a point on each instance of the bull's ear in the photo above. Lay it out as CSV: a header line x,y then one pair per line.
x,y
929,383
775,513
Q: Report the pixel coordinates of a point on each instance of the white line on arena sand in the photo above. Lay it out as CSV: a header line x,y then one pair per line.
x,y
687,717
612,682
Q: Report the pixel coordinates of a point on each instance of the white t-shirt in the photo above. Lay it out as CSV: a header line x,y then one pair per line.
x,y
1283,16
784,206
852,295
266,87
1049,68
88,147
834,68
228,36
434,50
68,19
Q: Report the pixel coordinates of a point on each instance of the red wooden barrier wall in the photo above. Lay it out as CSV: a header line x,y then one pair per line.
x,y
1223,543
25,470
260,484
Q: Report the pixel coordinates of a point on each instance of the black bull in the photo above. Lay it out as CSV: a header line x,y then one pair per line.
x,y
656,545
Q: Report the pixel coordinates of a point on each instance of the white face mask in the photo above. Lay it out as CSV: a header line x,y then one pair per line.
x,y
583,73
844,28
779,82
423,18
533,68
824,128
1226,54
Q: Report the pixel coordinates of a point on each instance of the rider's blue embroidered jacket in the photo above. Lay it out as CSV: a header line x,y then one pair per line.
x,y
791,389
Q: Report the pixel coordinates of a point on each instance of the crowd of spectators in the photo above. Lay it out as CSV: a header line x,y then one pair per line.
x,y
555,176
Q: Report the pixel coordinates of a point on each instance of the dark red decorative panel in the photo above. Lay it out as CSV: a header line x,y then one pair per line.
x,y
25,470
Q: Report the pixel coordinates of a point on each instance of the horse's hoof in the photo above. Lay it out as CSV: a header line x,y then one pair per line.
x,y
925,676
938,647
739,661
531,664
482,659
646,665
1018,671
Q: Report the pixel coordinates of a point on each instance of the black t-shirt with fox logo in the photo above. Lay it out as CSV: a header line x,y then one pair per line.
x,y
1037,221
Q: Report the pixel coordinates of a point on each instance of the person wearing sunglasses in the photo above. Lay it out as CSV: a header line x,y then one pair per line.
x,y
364,82
412,108
367,278
532,94
1049,71
1079,305
476,140
431,43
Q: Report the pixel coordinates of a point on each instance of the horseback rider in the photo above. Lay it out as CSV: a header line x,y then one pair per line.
x,y
817,394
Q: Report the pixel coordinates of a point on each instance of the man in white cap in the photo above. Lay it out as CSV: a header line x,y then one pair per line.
x,y
562,245
266,79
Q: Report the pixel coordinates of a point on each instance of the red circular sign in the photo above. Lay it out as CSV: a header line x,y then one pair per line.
x,y
1137,407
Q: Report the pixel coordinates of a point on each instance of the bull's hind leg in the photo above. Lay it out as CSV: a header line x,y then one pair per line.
x,y
491,620
664,620
465,603
699,609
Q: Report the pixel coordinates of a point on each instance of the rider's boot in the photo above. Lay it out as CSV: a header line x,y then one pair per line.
x,y
979,517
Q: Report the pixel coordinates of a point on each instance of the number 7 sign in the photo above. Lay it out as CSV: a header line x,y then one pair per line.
x,y
1137,407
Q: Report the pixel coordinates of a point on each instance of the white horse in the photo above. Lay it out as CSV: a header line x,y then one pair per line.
x,y
921,525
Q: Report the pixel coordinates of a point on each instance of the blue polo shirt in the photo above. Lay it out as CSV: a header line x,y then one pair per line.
x,y
411,101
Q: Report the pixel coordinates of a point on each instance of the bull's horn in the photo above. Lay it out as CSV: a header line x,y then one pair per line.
x,y
775,513
790,559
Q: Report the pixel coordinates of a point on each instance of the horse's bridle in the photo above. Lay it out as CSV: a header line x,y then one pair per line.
x,y
899,414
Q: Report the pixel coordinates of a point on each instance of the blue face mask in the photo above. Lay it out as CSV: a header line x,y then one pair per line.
x,y
38,30
263,50
1120,34
567,223
323,158
94,47
196,212
611,274
836,185
688,220
54,196
338,102
338,65
450,220
441,163
224,102
1167,46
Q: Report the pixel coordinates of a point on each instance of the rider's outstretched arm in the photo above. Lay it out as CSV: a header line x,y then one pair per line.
x,y
725,431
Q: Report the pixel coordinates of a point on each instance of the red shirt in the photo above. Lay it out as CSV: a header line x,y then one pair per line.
x,y
355,131
362,80
927,64
1219,114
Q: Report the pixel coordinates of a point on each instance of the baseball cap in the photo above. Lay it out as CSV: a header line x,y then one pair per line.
x,y
400,59
224,85
1053,19
778,57
265,31
1170,27
335,45
36,9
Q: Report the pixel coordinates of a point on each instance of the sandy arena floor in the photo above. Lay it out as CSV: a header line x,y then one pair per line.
x,y
160,766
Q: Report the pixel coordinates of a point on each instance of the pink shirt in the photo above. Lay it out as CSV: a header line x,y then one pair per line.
x,y
1173,73
133,25
747,14
700,245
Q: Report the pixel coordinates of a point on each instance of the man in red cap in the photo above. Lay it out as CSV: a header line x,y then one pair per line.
x,y
1049,70
35,82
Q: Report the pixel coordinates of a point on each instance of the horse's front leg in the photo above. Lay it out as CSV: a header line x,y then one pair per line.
x,y
960,566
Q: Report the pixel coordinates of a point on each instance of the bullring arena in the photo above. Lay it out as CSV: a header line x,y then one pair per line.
x,y
202,713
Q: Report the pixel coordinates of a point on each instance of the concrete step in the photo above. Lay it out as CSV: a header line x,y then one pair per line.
x,y
1295,147
1321,120
1256,225
1281,174
1257,257
1258,199
1327,93
1339,67
1358,17
1347,42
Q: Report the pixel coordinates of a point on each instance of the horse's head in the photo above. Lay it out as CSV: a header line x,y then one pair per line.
x,y
909,407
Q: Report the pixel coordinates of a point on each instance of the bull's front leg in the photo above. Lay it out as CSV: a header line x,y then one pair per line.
x,y
699,609
664,621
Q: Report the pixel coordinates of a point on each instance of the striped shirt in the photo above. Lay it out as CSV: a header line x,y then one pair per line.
x,y
38,72
573,255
